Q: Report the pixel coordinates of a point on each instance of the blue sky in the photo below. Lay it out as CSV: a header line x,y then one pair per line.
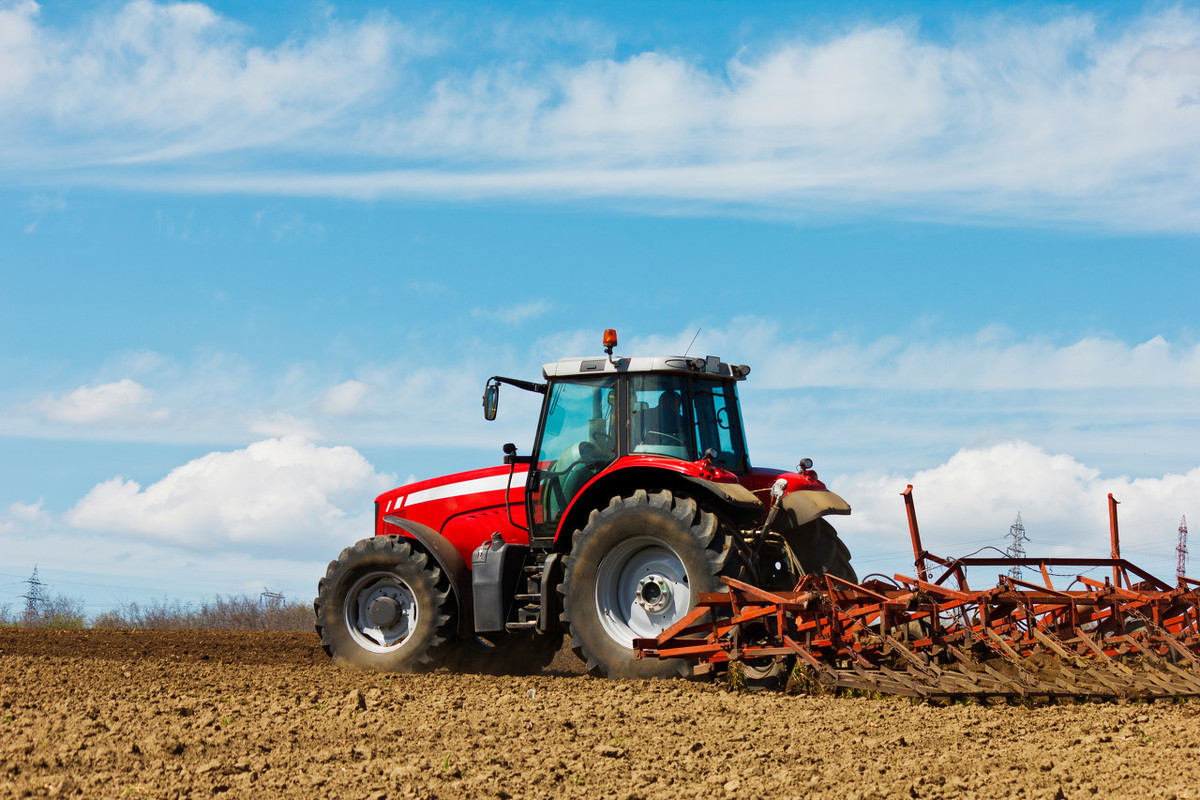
x,y
257,261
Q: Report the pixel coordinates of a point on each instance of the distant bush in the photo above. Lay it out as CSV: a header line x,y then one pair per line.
x,y
53,612
222,614
242,613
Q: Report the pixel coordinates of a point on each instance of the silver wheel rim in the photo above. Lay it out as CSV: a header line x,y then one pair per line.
x,y
642,588
368,589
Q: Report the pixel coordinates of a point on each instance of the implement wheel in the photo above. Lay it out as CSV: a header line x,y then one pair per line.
x,y
634,570
384,605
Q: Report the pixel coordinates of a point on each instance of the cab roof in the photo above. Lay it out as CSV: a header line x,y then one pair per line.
x,y
711,366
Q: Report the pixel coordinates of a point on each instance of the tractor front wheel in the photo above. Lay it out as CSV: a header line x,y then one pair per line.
x,y
385,605
634,570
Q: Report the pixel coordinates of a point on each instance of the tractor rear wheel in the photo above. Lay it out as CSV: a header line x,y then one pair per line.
x,y
385,605
635,569
820,550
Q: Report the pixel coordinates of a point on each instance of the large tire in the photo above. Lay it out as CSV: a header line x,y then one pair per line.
x,y
384,605
636,568
820,551
522,653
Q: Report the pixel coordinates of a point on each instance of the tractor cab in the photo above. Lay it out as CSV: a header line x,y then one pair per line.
x,y
598,411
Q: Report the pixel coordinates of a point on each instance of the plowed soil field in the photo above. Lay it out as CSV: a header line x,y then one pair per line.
x,y
191,714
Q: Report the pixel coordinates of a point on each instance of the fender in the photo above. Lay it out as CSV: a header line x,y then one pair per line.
x,y
739,501
804,505
733,493
451,562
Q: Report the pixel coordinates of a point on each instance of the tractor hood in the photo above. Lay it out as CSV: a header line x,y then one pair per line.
x,y
435,500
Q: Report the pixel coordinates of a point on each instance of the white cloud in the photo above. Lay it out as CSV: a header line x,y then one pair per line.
x,y
32,513
25,518
969,502
152,82
994,359
282,424
278,493
122,401
1075,119
21,53
345,399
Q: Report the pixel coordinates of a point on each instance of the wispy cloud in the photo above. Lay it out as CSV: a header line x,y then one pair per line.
x,y
344,399
993,359
1075,120
26,518
150,82
513,315
117,402
904,401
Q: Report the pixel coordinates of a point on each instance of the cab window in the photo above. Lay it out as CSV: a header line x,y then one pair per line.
x,y
659,419
577,442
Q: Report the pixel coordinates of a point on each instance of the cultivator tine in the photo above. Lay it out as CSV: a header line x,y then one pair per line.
x,y
1182,681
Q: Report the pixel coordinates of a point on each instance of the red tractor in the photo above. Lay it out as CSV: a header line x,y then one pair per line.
x,y
638,496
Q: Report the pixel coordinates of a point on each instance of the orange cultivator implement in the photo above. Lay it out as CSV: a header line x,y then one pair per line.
x,y
1129,635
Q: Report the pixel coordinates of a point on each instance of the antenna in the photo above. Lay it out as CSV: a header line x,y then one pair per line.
x,y
692,342
1181,549
1016,545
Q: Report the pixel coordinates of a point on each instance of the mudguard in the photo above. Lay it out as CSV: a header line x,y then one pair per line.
x,y
740,501
733,493
451,562
803,506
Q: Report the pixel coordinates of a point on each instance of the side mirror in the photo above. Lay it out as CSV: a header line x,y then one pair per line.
x,y
491,400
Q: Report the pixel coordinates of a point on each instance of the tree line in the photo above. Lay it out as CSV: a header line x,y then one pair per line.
x,y
238,613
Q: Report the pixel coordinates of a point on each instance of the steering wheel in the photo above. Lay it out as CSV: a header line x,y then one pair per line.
x,y
723,418
669,437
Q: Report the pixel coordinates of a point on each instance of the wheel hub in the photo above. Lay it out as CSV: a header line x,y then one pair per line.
x,y
654,593
383,611
642,588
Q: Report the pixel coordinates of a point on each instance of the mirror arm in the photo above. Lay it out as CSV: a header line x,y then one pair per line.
x,y
528,386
